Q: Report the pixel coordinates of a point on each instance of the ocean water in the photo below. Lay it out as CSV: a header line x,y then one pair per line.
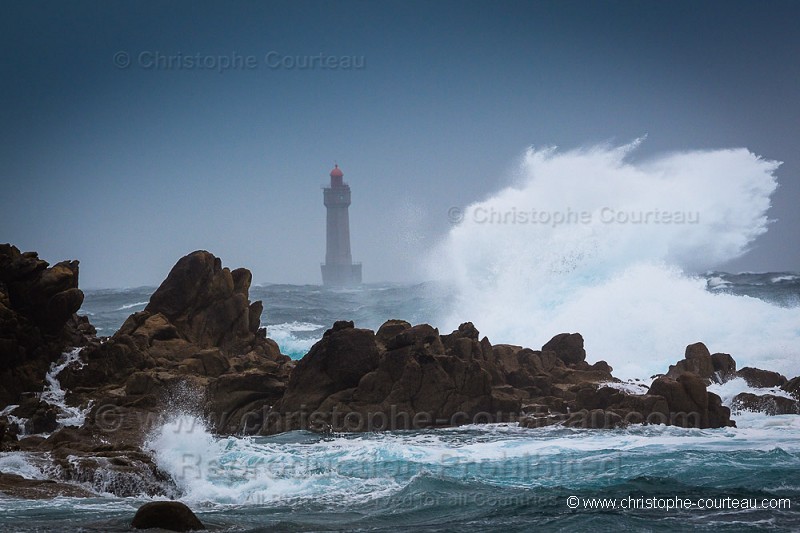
x,y
537,258
479,477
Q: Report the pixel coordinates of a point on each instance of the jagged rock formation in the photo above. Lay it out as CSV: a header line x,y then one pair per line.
x,y
765,403
716,368
408,376
197,346
37,319
721,367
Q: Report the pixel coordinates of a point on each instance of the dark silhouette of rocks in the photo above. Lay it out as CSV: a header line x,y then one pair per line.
x,y
568,347
407,376
716,368
172,516
765,403
37,319
793,387
198,348
755,377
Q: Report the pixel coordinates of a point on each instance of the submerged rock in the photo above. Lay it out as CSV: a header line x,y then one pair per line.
x,y
172,516
35,489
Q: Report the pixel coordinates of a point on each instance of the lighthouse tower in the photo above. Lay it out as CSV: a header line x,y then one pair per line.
x,y
338,269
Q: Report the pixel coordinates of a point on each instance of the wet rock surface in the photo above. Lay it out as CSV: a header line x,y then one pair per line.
x,y
172,516
197,348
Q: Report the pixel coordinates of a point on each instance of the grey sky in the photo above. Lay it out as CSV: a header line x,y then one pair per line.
x,y
127,169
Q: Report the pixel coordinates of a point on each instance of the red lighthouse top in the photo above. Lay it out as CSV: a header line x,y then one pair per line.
x,y
336,176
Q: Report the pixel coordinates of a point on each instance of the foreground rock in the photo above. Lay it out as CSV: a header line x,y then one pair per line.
x,y
711,368
172,516
720,367
39,489
37,319
196,348
409,377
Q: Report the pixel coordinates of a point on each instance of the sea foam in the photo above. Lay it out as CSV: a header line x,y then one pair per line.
x,y
590,240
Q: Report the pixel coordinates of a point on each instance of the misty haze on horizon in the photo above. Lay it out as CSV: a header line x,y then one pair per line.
x,y
134,133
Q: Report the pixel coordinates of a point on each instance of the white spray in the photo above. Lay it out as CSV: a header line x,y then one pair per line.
x,y
592,242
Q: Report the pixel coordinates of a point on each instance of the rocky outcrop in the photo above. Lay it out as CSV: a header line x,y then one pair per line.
x,y
793,387
682,402
172,516
755,377
765,403
403,377
568,347
197,346
408,376
716,368
36,489
687,397
37,319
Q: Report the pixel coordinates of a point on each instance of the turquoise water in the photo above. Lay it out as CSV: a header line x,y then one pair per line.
x,y
497,477
480,478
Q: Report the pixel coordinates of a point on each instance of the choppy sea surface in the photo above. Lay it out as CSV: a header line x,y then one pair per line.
x,y
495,477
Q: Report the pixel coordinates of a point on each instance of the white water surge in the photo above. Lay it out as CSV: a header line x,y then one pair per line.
x,y
590,241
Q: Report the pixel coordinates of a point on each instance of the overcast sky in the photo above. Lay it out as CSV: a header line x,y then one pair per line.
x,y
117,151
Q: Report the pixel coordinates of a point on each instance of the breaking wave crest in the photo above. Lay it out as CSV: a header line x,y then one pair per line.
x,y
589,240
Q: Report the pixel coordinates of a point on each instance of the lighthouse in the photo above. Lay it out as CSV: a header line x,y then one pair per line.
x,y
338,269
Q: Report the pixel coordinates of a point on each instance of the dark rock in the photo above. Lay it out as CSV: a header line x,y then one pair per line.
x,y
595,419
402,378
724,367
568,347
689,403
40,417
206,303
697,360
44,420
35,489
766,403
238,402
793,387
37,319
195,342
172,516
755,377
602,366
410,377
390,329
717,368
